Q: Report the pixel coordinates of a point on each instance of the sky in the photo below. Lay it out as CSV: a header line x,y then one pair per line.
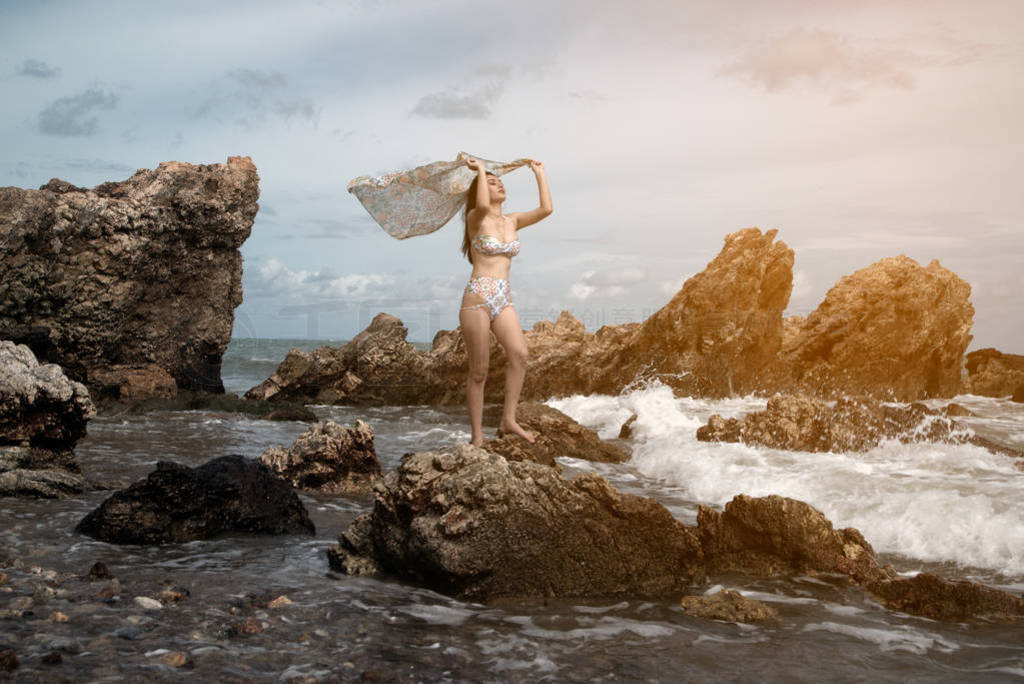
x,y
860,130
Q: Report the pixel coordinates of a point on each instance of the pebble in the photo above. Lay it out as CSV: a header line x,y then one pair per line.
x,y
99,571
279,602
8,660
148,603
22,603
57,616
244,627
3,578
174,659
173,594
66,644
130,633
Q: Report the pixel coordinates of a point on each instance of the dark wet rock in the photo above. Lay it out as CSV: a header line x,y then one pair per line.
x,y
50,483
472,524
626,431
774,535
8,660
728,606
98,570
188,400
129,274
52,658
991,373
940,599
328,458
805,423
175,503
555,435
244,627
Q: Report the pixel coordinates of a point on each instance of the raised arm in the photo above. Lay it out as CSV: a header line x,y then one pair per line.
x,y
483,192
526,218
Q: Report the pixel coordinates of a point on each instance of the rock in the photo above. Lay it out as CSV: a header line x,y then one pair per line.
x,y
131,274
328,458
57,616
1018,395
377,366
8,660
991,373
555,435
723,329
175,503
98,571
38,403
148,603
42,415
804,423
626,431
729,606
244,627
894,330
472,524
126,383
939,599
52,658
774,535
280,602
174,659
173,594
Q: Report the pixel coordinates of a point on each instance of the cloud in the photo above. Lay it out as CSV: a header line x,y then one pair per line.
x,y
607,282
272,278
251,96
37,69
70,115
820,57
484,87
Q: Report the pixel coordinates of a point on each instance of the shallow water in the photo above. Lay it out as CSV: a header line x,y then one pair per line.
x,y
952,510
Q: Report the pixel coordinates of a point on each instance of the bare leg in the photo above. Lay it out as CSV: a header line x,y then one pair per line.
x,y
508,331
476,334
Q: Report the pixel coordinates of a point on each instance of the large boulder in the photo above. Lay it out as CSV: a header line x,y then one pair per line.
x,y
940,599
42,415
175,503
129,275
775,535
328,458
472,524
991,373
894,330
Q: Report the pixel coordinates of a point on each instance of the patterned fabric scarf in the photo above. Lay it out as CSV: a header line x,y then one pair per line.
x,y
421,200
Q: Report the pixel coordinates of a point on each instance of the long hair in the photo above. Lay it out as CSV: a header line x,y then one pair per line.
x,y
470,206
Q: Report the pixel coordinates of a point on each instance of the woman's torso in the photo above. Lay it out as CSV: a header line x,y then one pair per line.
x,y
495,234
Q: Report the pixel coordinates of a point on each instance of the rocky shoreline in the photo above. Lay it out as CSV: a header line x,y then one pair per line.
x,y
496,523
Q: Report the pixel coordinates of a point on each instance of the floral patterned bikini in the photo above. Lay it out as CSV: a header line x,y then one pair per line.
x,y
495,291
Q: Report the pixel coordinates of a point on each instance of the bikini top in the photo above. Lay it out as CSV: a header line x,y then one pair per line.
x,y
490,245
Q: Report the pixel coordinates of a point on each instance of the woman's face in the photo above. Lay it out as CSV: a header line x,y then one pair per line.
x,y
496,187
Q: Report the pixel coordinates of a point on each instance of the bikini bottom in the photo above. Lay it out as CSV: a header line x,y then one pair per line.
x,y
495,291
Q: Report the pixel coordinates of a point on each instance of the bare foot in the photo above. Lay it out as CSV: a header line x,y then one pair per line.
x,y
477,442
515,429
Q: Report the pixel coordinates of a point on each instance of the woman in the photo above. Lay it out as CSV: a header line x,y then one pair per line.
x,y
490,243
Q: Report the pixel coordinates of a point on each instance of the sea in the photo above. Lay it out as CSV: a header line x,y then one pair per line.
x,y
953,510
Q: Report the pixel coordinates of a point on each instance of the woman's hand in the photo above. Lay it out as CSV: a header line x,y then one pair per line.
x,y
538,167
474,164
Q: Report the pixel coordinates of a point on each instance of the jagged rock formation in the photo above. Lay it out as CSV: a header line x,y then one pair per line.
x,y
475,525
112,281
804,423
894,330
992,373
175,503
472,524
328,458
42,415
